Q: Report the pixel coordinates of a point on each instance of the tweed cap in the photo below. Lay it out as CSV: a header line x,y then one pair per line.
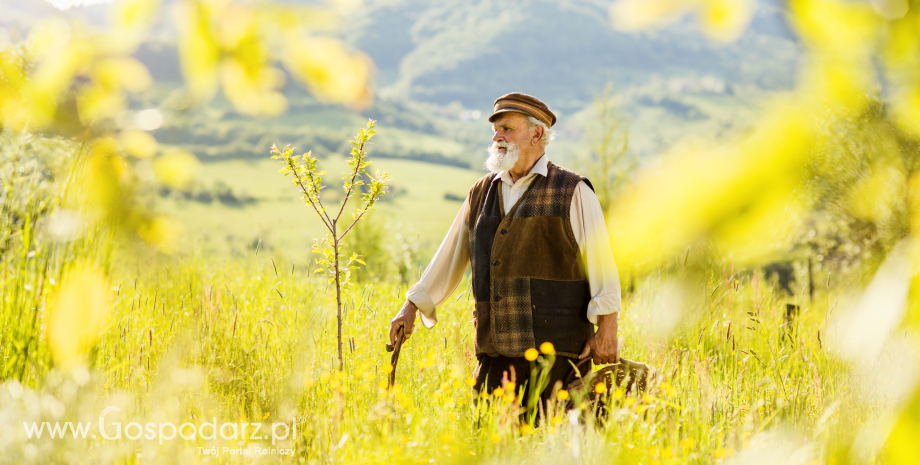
x,y
523,103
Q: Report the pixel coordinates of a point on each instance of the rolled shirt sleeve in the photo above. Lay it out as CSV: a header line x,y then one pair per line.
x,y
445,271
591,234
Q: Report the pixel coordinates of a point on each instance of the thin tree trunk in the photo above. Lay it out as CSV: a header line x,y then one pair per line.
x,y
338,296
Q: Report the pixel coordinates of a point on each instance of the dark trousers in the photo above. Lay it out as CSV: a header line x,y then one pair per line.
x,y
493,372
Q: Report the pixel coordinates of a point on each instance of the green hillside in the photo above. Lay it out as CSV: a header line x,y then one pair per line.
x,y
439,67
263,206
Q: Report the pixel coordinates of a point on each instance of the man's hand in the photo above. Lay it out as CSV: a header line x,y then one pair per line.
x,y
603,345
406,319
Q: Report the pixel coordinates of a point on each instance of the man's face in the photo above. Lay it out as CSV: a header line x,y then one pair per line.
x,y
511,127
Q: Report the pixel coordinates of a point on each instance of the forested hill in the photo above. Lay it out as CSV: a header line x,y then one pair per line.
x,y
563,50
471,51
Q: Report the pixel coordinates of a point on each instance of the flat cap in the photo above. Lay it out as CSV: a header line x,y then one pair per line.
x,y
526,104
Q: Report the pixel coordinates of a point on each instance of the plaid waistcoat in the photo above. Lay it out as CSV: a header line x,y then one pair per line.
x,y
528,277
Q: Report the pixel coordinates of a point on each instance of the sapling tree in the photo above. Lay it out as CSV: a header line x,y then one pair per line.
x,y
305,175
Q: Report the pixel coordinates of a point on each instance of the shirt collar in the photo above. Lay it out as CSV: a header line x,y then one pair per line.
x,y
540,167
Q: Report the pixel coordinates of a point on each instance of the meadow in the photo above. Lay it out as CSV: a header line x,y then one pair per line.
x,y
193,337
201,336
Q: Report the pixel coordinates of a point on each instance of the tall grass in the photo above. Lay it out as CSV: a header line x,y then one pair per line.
x,y
195,337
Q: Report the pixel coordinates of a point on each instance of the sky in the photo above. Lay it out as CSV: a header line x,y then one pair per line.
x,y
65,4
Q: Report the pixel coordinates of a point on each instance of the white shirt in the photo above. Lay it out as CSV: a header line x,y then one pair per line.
x,y
446,269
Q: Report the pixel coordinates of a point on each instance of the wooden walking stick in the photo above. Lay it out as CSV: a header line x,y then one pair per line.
x,y
400,338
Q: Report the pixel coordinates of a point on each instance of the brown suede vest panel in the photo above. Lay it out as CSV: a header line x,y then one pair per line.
x,y
528,276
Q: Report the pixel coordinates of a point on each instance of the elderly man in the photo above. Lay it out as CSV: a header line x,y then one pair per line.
x,y
542,268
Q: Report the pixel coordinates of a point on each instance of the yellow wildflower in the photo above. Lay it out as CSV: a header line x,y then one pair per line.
x,y
600,388
563,394
531,354
496,438
556,420
688,443
547,348
388,368
618,394
498,392
526,429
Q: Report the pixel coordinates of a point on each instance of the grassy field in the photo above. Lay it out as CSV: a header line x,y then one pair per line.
x,y
195,337
417,203
206,337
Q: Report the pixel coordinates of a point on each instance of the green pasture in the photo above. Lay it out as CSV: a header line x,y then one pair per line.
x,y
280,219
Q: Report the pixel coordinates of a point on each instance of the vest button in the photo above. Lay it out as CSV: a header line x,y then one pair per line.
x,y
504,231
496,263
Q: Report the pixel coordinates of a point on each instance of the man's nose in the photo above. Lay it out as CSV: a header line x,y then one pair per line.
x,y
497,137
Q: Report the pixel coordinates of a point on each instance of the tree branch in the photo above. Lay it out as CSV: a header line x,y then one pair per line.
x,y
351,184
319,212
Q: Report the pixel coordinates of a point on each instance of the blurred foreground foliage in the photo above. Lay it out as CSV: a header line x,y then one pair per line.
x,y
833,152
71,86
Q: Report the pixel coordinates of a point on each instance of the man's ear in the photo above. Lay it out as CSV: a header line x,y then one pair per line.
x,y
537,135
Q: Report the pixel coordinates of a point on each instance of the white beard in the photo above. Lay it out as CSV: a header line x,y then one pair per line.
x,y
498,161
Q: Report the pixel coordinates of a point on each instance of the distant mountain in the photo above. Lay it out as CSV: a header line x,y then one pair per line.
x,y
471,51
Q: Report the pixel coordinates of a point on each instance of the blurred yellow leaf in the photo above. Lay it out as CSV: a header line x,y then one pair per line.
x,y
14,112
77,314
135,14
138,143
913,196
738,195
198,50
906,107
162,233
720,20
890,9
102,177
176,168
902,59
104,96
725,20
634,15
252,93
52,77
332,72
835,26
874,198
123,72
902,447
